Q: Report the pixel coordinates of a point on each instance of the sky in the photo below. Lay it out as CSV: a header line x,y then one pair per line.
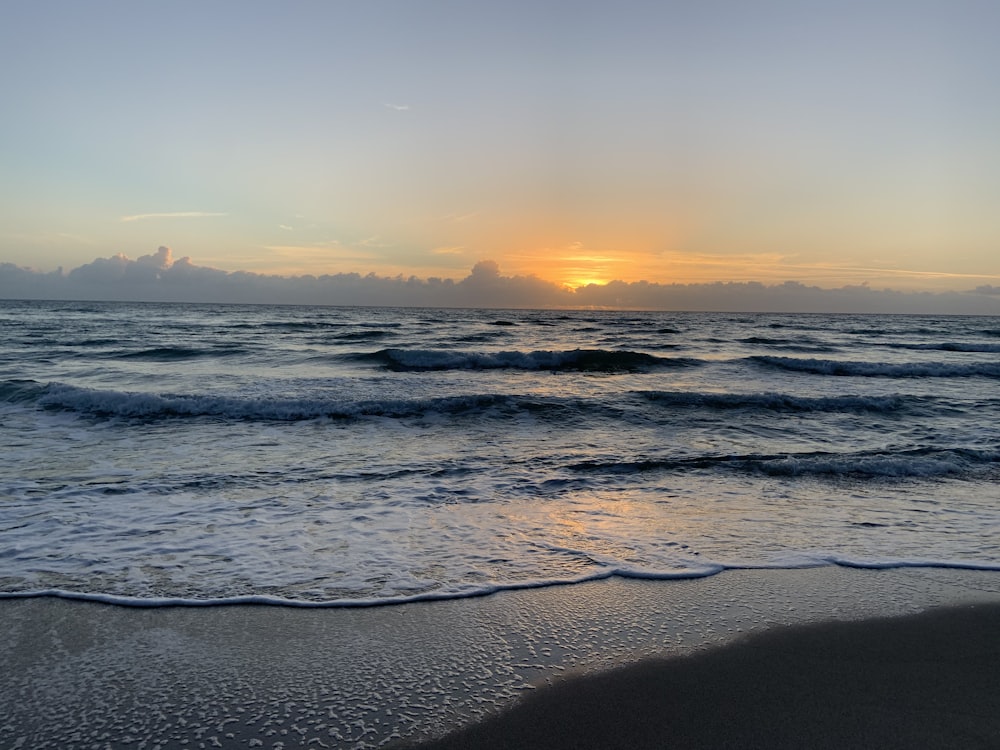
x,y
832,145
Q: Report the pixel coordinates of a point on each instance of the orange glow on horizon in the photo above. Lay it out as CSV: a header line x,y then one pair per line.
x,y
589,256
576,265
576,251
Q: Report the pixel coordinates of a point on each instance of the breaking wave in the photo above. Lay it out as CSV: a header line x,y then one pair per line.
x,y
151,405
114,403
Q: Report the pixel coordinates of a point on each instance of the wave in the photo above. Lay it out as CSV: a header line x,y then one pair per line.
x,y
20,391
486,337
176,353
95,342
293,326
62,396
880,369
584,360
802,344
783,402
705,569
949,346
362,335
296,325
97,402
917,463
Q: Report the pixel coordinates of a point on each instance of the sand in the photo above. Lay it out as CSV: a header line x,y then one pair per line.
x,y
586,665
924,681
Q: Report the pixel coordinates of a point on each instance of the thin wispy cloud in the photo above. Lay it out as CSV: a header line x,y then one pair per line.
x,y
786,265
789,266
172,215
928,274
729,259
286,227
396,107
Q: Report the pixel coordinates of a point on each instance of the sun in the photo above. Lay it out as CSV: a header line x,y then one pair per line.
x,y
577,282
573,267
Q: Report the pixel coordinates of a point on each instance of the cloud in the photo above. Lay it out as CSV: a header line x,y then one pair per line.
x,y
396,107
162,258
286,227
172,215
158,277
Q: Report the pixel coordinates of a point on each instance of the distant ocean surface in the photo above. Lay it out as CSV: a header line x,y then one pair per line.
x,y
157,453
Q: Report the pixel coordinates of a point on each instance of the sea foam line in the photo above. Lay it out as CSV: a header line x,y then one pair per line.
x,y
792,562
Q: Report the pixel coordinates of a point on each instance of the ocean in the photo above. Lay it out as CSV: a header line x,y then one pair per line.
x,y
320,456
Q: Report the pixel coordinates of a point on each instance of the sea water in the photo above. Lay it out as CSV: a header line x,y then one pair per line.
x,y
157,453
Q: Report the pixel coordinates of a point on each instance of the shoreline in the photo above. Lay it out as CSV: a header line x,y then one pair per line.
x,y
81,673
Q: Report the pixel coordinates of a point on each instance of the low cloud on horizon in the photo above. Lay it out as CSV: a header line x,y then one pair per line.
x,y
159,278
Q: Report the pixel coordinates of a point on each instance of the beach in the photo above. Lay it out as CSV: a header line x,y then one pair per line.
x,y
921,681
742,659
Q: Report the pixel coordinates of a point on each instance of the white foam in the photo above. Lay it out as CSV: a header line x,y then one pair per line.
x,y
793,561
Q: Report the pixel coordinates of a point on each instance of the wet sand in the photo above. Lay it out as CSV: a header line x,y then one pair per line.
x,y
83,674
925,681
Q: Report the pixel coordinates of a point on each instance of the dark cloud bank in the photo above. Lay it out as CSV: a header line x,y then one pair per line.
x,y
159,278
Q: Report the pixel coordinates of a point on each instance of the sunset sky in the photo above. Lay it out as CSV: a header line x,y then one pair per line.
x,y
829,143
